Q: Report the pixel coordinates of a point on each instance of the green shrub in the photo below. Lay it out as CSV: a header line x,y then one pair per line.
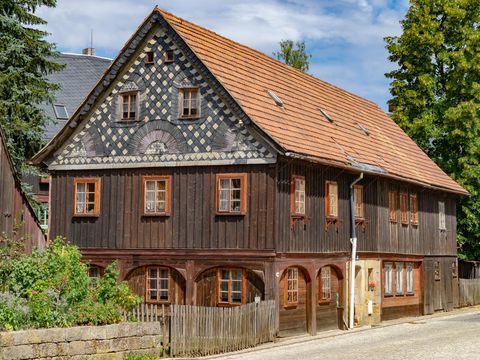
x,y
52,289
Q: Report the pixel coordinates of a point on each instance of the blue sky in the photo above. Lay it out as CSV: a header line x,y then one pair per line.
x,y
345,37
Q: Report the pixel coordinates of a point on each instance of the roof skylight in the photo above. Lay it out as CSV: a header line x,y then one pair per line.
x,y
326,115
275,98
363,128
60,111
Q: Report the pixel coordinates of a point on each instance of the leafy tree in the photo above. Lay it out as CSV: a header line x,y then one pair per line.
x,y
294,54
436,96
25,60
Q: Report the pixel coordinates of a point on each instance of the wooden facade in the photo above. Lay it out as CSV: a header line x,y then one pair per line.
x,y
17,218
233,226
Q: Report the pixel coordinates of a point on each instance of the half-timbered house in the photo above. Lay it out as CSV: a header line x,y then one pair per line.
x,y
215,175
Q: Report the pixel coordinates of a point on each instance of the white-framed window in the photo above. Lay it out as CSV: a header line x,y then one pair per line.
x,y
387,278
291,295
298,195
410,281
326,287
399,275
441,216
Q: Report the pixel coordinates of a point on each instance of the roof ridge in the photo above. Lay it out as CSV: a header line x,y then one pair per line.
x,y
88,56
262,54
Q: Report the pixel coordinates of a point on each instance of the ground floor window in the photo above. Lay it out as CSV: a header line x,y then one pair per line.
x,y
399,271
94,273
387,278
325,284
230,286
410,272
291,294
158,285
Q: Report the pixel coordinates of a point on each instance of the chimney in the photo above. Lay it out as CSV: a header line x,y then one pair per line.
x,y
89,51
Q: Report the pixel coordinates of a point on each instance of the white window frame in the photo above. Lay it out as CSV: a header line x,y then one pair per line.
x,y
399,276
410,279
441,216
387,278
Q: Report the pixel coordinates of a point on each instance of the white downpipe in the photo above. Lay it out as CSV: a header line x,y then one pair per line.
x,y
353,241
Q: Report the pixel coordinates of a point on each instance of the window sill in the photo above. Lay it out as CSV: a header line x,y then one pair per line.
x,y
393,222
228,304
156,215
188,117
86,215
290,306
157,302
387,295
324,302
219,213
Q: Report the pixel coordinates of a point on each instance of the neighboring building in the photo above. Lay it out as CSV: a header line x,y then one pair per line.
x,y
17,218
215,174
80,74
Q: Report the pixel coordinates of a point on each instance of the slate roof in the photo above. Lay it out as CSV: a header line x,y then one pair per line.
x,y
76,80
300,127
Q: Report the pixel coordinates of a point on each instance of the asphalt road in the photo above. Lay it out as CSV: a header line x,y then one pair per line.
x,y
446,337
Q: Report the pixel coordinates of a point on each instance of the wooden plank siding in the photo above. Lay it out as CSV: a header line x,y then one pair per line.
x,y
193,223
310,235
17,217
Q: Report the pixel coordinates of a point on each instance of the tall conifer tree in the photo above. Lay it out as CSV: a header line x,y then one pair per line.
x,y
436,96
25,60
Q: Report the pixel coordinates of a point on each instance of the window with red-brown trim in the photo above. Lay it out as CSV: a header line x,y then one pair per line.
x,y
413,209
94,273
325,286
231,193
358,201
189,103
231,283
291,288
129,105
158,285
297,194
331,199
403,208
156,195
392,206
86,196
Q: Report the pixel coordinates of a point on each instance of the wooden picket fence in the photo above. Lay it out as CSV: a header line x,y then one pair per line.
x,y
469,292
200,331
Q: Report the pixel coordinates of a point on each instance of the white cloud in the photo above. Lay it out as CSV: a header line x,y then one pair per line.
x,y
354,26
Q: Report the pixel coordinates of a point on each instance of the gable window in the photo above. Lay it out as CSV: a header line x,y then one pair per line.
x,y
291,293
392,206
43,216
150,57
358,201
331,199
387,279
60,111
230,286
158,285
414,209
129,106
169,56
156,195
325,284
231,193
399,271
441,216
298,195
189,103
403,208
87,196
410,284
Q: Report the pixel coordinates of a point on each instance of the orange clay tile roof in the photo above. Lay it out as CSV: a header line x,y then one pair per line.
x,y
299,125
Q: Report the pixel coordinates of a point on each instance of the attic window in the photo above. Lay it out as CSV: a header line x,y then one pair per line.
x,y
169,56
326,115
363,129
149,59
275,98
60,111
